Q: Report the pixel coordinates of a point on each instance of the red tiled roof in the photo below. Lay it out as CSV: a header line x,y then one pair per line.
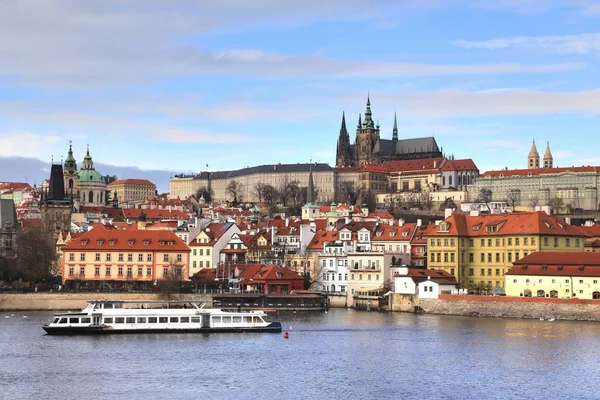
x,y
382,215
555,270
131,182
421,233
15,186
592,231
526,223
466,164
322,236
561,258
355,226
595,244
414,165
381,168
100,237
434,275
154,213
537,171
388,233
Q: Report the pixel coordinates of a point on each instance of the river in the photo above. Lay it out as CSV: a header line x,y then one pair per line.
x,y
344,354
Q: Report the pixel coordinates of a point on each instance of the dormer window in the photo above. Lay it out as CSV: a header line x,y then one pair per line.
x,y
444,227
393,233
111,242
99,242
146,242
84,242
170,243
476,227
491,228
279,275
161,243
131,242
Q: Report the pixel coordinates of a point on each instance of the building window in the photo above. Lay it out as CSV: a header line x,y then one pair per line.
x,y
525,242
482,242
140,257
439,257
200,252
516,241
165,271
71,257
81,270
149,271
208,252
165,258
140,271
82,257
207,264
545,241
129,257
533,241
509,256
451,257
71,270
129,271
97,271
108,256
576,242
489,257
497,271
108,271
482,271
509,241
471,257
97,258
445,257
120,256
568,242
432,256
482,257
471,243
179,258
471,271
497,257
120,271
149,257
451,271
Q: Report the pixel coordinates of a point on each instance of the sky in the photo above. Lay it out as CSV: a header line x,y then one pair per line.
x,y
183,84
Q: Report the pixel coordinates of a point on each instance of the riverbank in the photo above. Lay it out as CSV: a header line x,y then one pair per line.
x,y
506,307
76,301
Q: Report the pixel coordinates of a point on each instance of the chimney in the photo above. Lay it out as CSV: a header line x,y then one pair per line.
x,y
401,222
547,210
434,163
419,222
391,222
538,208
568,220
448,212
287,222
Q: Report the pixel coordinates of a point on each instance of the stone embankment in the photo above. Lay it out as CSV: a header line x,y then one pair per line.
x,y
508,307
74,301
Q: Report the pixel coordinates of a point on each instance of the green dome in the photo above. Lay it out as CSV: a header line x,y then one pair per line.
x,y
89,175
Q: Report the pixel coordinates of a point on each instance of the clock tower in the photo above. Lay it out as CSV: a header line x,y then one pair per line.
x,y
70,174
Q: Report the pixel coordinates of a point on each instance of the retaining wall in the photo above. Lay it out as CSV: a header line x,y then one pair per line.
x,y
74,301
511,307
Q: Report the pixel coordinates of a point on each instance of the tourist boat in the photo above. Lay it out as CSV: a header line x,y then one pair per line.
x,y
119,316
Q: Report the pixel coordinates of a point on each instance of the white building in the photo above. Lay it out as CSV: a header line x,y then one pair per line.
x,y
333,266
424,283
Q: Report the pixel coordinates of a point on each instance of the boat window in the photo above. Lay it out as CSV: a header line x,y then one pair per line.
x,y
237,319
257,320
227,320
196,319
62,321
141,320
55,320
173,319
73,320
119,320
152,320
185,320
108,320
130,320
248,320
163,320
86,320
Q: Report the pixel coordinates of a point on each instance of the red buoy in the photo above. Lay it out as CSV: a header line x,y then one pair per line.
x,y
286,335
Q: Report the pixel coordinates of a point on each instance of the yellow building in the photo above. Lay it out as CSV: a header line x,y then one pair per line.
x,y
118,257
132,190
478,249
367,273
555,275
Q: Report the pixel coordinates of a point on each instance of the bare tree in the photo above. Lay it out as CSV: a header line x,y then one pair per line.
x,y
269,194
282,191
534,202
485,197
234,190
347,192
556,204
258,191
448,203
36,254
480,288
206,193
427,200
171,281
513,197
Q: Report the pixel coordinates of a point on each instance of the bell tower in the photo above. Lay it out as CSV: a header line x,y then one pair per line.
x,y
367,135
533,159
548,160
70,174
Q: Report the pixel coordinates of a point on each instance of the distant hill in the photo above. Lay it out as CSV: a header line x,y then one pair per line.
x,y
32,170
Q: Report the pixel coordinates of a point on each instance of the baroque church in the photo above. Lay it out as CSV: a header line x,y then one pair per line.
x,y
369,148
86,187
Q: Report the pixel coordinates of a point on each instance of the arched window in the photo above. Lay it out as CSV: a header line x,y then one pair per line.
x,y
541,293
443,181
91,196
595,295
333,288
450,180
554,294
459,180
527,293
70,183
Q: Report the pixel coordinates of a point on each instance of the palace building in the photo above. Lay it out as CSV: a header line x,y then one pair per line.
x,y
369,147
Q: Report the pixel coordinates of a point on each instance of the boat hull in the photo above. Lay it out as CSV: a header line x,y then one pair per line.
x,y
273,327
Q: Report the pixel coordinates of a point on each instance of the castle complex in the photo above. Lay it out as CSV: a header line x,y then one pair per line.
x,y
369,148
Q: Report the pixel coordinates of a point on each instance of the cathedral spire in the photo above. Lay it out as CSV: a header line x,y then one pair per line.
x,y
343,145
395,130
368,114
533,159
359,122
548,160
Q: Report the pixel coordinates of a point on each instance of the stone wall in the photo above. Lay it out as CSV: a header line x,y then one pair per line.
x,y
74,301
510,307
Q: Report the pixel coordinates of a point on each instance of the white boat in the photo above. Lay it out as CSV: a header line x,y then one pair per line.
x,y
120,316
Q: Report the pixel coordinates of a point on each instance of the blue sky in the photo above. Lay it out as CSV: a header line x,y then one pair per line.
x,y
177,85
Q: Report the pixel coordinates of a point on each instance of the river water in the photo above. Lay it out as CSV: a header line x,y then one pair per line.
x,y
344,354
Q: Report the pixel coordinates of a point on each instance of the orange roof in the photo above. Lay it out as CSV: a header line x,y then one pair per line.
x,y
15,186
537,171
322,236
383,215
438,276
131,182
154,213
414,165
590,231
526,223
421,233
466,164
562,258
108,238
386,232
374,168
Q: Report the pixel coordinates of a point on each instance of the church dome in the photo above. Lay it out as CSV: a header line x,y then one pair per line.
x,y
89,175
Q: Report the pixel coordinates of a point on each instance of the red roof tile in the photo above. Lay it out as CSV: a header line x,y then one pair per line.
x,y
537,171
130,182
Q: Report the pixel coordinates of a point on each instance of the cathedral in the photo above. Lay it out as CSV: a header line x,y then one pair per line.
x,y
369,148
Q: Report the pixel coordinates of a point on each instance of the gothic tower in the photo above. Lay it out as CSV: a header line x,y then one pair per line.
x,y
395,131
367,135
343,158
548,160
70,174
533,159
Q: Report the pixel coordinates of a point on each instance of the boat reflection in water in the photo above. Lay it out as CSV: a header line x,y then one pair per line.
x,y
119,316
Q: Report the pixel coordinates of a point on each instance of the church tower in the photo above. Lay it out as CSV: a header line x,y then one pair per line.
x,y
548,160
367,135
533,159
343,157
70,174
310,210
395,131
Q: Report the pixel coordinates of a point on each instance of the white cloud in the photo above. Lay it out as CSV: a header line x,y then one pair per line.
x,y
583,43
453,103
28,144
